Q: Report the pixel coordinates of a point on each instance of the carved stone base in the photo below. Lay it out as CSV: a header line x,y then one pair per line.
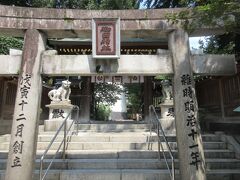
x,y
57,114
168,125
53,125
167,110
167,117
59,110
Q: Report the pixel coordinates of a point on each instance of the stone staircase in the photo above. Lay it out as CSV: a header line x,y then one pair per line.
x,y
120,152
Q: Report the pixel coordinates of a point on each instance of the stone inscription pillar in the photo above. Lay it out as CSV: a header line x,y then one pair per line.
x,y
22,151
190,147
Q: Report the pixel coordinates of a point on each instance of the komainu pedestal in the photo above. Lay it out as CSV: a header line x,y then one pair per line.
x,y
167,117
60,107
167,111
57,114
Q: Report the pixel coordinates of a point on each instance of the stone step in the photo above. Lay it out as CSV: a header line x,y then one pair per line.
x,y
117,137
95,137
110,137
103,174
121,137
226,174
222,164
128,174
109,130
111,127
116,145
131,154
126,164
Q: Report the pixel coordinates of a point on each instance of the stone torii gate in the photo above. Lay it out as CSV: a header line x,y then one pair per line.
x,y
37,25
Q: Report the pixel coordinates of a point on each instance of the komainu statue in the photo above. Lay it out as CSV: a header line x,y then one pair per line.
x,y
167,90
62,93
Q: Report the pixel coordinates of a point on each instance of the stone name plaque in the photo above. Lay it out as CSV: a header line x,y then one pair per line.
x,y
106,38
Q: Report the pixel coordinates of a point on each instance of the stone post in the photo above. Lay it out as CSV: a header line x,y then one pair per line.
x,y
85,100
190,147
22,151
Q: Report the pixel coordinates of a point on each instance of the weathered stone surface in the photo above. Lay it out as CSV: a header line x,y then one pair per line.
x,y
10,64
53,125
165,110
26,114
215,65
59,110
126,65
168,125
63,109
190,147
77,23
46,13
153,64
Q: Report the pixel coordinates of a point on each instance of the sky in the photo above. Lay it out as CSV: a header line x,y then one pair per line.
x,y
194,42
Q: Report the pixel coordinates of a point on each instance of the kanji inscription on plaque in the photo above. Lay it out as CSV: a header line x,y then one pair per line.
x,y
105,38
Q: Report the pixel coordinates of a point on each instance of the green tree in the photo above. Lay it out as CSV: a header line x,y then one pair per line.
x,y
7,43
107,93
221,44
117,4
156,4
134,97
85,4
222,14
71,4
15,2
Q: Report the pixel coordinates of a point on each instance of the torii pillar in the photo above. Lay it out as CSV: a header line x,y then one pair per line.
x,y
85,101
189,141
22,151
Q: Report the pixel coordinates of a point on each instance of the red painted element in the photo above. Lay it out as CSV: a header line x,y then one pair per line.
x,y
105,38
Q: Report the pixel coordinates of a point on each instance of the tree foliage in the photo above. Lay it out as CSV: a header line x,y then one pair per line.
x,y
75,4
71,4
15,2
107,93
221,44
156,4
117,4
221,14
7,43
103,112
134,96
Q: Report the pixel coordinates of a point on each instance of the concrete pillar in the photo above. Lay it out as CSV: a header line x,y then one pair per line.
x,y
85,100
148,95
22,151
190,147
